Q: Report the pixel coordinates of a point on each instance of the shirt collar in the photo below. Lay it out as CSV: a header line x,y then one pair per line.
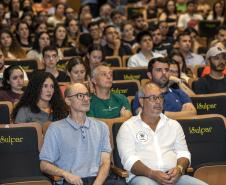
x,y
76,125
162,122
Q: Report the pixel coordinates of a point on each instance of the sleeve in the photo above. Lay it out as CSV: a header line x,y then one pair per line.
x,y
106,146
50,149
199,87
22,116
132,62
125,102
184,98
180,23
180,146
126,147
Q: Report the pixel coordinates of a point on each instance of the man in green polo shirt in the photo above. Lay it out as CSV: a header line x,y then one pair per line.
x,y
104,103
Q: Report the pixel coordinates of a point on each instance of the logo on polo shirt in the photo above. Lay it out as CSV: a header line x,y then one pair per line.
x,y
142,137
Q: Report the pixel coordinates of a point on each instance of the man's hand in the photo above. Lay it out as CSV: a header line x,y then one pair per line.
x,y
161,177
174,173
72,179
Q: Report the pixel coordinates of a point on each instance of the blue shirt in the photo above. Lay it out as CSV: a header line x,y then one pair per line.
x,y
173,100
76,148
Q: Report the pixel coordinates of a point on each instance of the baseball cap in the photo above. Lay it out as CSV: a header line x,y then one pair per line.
x,y
214,51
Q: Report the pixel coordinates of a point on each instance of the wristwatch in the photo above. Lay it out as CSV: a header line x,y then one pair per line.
x,y
181,169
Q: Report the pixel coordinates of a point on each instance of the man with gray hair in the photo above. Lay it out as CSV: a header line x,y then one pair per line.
x,y
104,103
151,146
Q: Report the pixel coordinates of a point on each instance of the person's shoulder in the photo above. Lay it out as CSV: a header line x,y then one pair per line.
x,y
169,121
97,123
120,96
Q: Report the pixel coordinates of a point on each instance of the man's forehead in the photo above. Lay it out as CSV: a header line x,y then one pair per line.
x,y
104,69
160,65
50,52
152,89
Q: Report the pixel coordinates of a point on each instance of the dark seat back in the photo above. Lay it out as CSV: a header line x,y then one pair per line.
x,y
4,114
19,152
205,136
116,158
126,87
210,103
129,73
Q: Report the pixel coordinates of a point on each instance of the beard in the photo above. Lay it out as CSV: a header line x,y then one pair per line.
x,y
161,83
218,68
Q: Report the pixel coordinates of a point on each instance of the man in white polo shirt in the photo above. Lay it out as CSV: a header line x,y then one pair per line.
x,y
152,147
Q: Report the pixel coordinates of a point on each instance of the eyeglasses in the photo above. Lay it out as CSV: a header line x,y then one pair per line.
x,y
80,96
153,98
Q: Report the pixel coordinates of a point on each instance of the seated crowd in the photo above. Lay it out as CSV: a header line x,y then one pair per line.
x,y
71,84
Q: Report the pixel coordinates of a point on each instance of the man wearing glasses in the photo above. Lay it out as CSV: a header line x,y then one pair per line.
x,y
215,82
50,59
77,148
151,146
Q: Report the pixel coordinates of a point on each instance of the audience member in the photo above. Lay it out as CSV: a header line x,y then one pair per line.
x,y
104,103
94,31
191,18
176,102
42,40
9,44
58,17
84,41
142,58
23,35
12,84
94,57
86,161
215,82
142,139
60,38
50,59
191,59
217,12
41,102
114,46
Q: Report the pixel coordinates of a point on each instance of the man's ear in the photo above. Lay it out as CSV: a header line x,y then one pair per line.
x,y
149,75
93,80
67,101
141,101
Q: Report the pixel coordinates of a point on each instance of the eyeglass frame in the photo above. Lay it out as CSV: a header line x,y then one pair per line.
x,y
88,95
150,98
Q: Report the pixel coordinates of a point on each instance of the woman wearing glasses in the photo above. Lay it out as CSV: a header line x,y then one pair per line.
x,y
42,101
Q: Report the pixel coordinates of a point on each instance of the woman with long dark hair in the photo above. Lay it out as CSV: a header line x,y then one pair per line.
x,y
10,45
12,84
42,101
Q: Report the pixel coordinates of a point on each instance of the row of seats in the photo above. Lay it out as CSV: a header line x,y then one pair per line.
x,y
205,135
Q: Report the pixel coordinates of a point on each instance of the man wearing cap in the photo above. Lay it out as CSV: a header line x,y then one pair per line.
x,y
215,82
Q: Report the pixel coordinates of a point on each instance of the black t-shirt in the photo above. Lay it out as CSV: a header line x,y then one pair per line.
x,y
62,77
208,85
123,50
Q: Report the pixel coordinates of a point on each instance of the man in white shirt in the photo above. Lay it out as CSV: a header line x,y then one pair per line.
x,y
189,19
152,147
145,54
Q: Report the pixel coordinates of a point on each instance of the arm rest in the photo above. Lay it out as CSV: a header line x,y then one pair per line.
x,y
54,178
120,172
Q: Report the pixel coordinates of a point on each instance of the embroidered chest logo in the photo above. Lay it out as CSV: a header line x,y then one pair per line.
x,y
142,137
